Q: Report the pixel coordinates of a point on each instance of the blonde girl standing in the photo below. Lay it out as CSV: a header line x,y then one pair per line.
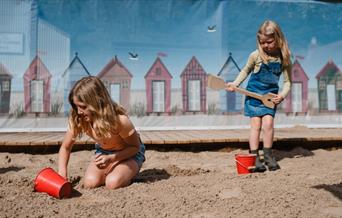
x,y
265,65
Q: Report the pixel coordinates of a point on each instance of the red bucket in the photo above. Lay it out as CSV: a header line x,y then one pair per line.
x,y
50,182
245,163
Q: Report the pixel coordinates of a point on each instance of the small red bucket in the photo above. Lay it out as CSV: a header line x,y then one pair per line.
x,y
245,163
50,182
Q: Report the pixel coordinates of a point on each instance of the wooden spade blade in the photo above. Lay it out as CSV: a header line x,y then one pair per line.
x,y
215,82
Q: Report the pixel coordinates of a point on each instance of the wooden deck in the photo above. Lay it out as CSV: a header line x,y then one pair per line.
x,y
181,139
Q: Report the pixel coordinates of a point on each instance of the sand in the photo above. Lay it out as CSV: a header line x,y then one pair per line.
x,y
183,184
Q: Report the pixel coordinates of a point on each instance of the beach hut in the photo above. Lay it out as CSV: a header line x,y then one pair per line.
x,y
37,79
230,102
117,80
75,71
297,100
329,83
5,89
158,88
194,87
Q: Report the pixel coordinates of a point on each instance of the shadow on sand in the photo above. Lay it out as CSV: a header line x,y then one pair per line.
x,y
152,175
7,169
335,189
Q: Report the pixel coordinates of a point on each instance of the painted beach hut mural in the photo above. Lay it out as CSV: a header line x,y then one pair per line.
x,y
37,81
329,84
297,100
5,89
194,83
158,88
117,80
75,71
230,101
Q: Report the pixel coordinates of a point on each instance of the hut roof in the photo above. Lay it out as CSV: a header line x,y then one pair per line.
x,y
229,60
76,58
119,67
327,67
190,65
158,60
296,63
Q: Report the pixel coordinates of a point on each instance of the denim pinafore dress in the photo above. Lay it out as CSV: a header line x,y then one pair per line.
x,y
262,82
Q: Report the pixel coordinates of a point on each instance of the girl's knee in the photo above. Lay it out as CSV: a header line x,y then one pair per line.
x,y
115,182
91,181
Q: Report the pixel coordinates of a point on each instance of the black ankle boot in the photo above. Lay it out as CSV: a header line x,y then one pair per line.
x,y
270,161
259,166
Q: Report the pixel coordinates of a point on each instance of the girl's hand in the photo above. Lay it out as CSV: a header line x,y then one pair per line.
x,y
102,160
230,87
278,99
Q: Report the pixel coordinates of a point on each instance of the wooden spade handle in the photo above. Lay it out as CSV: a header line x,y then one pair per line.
x,y
217,83
248,93
266,99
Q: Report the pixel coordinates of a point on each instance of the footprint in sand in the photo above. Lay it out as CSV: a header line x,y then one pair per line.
x,y
230,193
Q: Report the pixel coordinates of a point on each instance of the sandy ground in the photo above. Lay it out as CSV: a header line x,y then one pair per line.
x,y
183,184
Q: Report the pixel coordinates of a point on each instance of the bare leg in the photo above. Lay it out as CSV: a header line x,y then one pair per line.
x,y
94,176
268,130
254,137
122,174
268,127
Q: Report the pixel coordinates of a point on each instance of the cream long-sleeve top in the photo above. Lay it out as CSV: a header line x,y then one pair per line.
x,y
253,65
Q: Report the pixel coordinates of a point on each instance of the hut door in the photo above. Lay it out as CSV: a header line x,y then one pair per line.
x,y
37,90
158,96
331,97
115,92
296,97
194,95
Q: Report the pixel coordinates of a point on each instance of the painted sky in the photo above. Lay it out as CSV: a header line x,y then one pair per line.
x,y
100,29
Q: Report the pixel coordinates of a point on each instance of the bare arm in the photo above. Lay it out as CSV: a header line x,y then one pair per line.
x,y
64,154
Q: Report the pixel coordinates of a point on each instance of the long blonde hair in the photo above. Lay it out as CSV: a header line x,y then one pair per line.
x,y
92,92
271,28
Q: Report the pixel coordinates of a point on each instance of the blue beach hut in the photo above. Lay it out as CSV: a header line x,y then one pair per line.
x,y
230,102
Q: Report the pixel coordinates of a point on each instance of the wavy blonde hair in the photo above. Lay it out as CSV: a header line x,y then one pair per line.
x,y
92,92
271,28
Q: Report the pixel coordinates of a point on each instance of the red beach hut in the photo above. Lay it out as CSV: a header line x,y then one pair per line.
x,y
117,80
297,100
158,88
194,84
37,79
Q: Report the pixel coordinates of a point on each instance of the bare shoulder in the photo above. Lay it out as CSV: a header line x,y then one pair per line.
x,y
126,126
124,120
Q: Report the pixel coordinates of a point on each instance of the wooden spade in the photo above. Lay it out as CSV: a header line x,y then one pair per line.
x,y
217,83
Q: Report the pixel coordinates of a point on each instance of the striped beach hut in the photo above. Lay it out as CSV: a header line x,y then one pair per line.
x,y
158,88
297,100
194,87
5,89
117,80
329,83
37,81
230,102
75,71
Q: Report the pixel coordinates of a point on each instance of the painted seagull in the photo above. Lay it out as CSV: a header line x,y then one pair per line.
x,y
133,56
212,29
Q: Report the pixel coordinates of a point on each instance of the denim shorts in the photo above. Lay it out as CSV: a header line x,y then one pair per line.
x,y
139,157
